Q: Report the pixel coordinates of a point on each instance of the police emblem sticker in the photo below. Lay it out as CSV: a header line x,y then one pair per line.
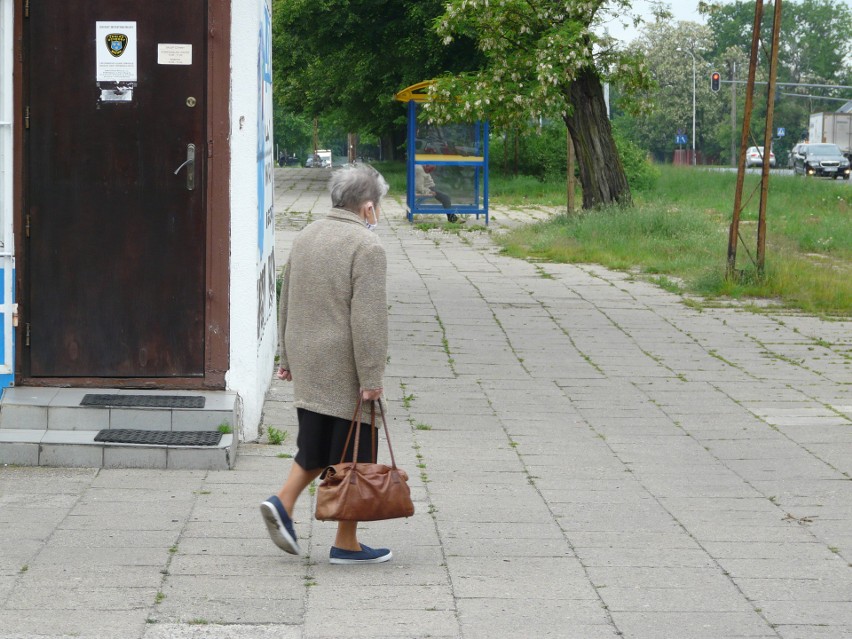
x,y
115,58
116,43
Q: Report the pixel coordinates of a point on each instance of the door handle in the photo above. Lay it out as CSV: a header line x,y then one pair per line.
x,y
190,164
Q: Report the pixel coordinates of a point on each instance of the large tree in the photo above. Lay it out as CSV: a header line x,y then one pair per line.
x,y
543,59
345,59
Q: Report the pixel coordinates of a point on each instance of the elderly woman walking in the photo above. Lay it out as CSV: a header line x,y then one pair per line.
x,y
333,346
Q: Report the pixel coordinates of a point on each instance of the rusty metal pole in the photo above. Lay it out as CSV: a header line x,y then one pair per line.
x,y
733,113
767,139
734,232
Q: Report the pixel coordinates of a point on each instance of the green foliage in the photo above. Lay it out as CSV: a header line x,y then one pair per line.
x,y
293,133
814,48
677,236
346,58
543,60
641,173
670,99
543,154
814,41
532,53
225,428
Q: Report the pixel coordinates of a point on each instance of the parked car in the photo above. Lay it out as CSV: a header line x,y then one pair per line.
x,y
317,162
754,157
795,151
822,160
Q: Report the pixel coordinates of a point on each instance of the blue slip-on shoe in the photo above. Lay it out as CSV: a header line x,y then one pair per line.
x,y
279,525
366,555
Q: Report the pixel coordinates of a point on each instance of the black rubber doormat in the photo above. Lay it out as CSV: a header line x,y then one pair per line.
x,y
159,437
144,401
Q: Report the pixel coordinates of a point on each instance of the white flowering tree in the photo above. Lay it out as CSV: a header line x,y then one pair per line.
x,y
544,58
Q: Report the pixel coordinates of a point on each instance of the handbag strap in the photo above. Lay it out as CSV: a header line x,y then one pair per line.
x,y
358,409
387,434
373,458
373,435
356,427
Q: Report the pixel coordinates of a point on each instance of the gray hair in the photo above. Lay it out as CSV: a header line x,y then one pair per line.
x,y
356,184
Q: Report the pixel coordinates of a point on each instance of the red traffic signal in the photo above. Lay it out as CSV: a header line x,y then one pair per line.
x,y
715,81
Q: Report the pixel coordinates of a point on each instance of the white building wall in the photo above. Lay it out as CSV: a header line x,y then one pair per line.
x,y
7,241
253,319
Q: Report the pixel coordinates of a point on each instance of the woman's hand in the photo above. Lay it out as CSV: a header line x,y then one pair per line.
x,y
367,395
284,374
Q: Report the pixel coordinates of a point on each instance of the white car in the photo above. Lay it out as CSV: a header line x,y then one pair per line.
x,y
754,157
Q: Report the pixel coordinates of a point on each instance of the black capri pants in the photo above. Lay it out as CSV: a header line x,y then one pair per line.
x,y
321,440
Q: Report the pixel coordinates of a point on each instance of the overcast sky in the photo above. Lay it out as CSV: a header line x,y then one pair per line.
x,y
681,9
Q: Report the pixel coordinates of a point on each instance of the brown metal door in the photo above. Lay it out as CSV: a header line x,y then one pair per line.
x,y
115,270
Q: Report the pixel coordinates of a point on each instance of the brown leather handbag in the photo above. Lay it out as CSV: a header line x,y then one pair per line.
x,y
360,491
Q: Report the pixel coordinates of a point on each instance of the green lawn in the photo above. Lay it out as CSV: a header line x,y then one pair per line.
x,y
677,234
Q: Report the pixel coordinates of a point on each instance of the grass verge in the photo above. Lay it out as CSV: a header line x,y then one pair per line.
x,y
677,235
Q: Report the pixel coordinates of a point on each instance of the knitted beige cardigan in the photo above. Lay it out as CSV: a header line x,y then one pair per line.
x,y
333,329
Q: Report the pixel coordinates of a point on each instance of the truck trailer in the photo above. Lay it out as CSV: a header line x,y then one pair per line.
x,y
833,128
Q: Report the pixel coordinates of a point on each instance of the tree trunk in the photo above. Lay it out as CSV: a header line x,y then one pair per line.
x,y
569,173
601,173
393,141
515,171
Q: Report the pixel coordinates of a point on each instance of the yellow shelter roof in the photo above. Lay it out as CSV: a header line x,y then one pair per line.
x,y
417,92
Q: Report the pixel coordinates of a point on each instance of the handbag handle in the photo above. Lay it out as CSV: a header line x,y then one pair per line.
x,y
358,418
387,434
349,434
356,427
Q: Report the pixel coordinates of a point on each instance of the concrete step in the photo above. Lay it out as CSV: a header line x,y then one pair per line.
x,y
49,427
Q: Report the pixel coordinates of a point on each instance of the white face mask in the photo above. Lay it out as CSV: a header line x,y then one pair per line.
x,y
370,226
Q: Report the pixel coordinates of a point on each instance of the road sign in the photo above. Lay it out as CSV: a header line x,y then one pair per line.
x,y
781,132
680,139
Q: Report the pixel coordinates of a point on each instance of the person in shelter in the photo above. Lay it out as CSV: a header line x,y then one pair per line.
x,y
424,184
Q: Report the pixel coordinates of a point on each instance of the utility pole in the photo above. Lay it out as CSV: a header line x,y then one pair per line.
x,y
767,138
733,113
316,135
734,232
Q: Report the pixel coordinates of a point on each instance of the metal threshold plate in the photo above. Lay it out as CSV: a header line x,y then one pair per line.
x,y
159,437
144,401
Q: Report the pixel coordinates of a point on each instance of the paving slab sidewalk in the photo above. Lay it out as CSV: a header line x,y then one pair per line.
x,y
590,458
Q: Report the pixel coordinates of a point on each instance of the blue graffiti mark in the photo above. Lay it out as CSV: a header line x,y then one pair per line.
x,y
264,130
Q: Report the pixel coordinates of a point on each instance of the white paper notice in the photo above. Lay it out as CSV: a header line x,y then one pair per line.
x,y
174,54
115,44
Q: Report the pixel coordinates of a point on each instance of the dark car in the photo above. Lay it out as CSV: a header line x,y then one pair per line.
x,y
822,160
794,152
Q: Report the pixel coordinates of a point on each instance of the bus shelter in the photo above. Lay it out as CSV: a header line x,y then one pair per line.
x,y
447,166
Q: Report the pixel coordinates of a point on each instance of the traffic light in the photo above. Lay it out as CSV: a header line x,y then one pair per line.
x,y
715,81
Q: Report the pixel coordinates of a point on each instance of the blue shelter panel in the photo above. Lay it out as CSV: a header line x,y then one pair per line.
x,y
448,170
